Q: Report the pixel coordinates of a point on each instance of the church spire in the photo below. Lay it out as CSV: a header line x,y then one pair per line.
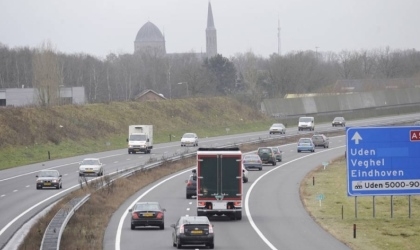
x,y
211,36
210,22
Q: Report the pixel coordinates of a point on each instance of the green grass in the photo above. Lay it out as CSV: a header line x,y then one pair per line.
x,y
379,232
35,135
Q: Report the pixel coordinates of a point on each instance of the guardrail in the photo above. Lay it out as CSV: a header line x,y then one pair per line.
x,y
51,239
52,235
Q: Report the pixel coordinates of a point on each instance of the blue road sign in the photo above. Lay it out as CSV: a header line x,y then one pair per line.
x,y
383,161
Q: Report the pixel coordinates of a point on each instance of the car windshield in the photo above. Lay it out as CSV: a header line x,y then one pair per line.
x,y
48,174
276,150
337,119
146,207
195,220
317,137
304,140
251,157
188,136
137,137
90,162
264,150
304,119
278,125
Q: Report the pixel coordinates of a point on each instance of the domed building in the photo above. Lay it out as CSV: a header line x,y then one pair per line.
x,y
150,39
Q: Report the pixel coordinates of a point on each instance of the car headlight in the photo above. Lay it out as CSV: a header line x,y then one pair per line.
x,y
39,181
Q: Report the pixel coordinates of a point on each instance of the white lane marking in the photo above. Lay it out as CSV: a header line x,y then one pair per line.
x,y
3,195
14,191
188,209
28,186
248,214
39,203
115,162
120,224
64,165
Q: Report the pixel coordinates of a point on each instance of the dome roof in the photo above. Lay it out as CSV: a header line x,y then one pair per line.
x,y
149,33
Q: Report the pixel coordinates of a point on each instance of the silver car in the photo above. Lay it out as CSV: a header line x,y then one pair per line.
x,y
49,178
91,166
189,139
277,128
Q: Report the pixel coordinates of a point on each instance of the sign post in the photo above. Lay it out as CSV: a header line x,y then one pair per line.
x,y
383,161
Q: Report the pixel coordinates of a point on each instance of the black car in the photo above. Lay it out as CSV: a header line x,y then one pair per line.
x,y
147,214
49,178
193,230
191,188
339,121
267,155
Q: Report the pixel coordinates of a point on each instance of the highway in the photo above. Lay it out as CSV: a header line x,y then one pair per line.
x,y
18,190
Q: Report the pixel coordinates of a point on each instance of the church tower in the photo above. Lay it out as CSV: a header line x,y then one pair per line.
x,y
211,36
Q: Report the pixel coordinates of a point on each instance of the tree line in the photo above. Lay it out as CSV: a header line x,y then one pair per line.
x,y
120,77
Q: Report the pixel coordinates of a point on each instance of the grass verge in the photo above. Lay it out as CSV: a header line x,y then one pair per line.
x,y
336,212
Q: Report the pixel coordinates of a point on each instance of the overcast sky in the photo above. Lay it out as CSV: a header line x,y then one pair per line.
x,y
100,27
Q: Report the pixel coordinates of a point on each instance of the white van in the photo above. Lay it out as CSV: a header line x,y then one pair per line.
x,y
306,123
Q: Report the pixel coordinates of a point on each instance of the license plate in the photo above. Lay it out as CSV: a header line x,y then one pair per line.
x,y
147,214
196,232
218,205
47,184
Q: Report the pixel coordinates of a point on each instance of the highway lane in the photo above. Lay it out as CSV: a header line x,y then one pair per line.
x,y
274,219
18,189
17,185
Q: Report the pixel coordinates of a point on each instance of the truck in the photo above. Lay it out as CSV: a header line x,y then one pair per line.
x,y
219,182
140,139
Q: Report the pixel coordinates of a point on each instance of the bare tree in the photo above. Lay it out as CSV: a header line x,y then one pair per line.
x,y
47,75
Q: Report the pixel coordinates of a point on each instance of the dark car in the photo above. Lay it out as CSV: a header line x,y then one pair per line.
x,y
321,140
191,188
278,153
417,123
193,230
267,155
252,161
49,178
339,121
147,214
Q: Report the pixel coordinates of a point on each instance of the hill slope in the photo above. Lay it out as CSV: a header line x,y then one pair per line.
x,y
32,134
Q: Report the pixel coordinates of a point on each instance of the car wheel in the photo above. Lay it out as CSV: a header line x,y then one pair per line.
x,y
187,196
38,187
211,246
178,244
260,169
58,187
245,179
133,227
298,151
162,226
274,163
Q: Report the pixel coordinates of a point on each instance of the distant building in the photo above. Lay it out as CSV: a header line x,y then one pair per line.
x,y
151,40
149,95
18,97
211,35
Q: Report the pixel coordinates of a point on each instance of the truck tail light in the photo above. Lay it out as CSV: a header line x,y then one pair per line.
x,y
201,204
238,204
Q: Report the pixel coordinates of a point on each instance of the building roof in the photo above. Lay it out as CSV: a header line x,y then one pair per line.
x,y
147,95
149,33
210,21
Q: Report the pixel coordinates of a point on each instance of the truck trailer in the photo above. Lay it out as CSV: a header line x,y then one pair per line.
x,y
219,182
